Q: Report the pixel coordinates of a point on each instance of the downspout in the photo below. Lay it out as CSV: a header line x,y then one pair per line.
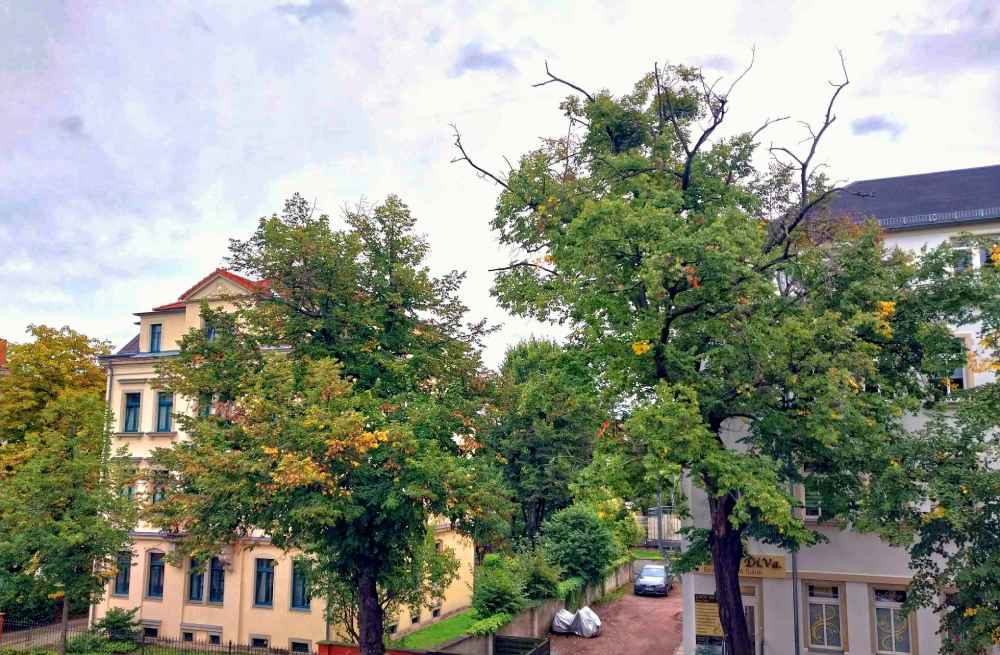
x,y
107,401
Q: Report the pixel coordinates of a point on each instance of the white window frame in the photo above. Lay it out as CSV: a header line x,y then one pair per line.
x,y
893,607
825,602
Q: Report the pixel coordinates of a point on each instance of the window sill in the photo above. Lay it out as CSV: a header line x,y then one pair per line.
x,y
304,610
114,595
262,607
127,434
161,434
155,599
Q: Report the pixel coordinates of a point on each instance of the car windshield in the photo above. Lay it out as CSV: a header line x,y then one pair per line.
x,y
653,572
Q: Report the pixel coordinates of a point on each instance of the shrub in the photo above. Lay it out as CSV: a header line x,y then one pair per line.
x,y
576,540
541,578
489,625
497,590
119,624
86,642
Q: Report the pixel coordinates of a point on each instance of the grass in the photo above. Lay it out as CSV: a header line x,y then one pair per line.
x,y
611,596
645,553
438,633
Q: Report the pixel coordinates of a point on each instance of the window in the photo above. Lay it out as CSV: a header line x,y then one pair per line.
x,y
188,636
436,612
154,586
258,642
155,332
812,500
205,404
159,493
824,617
164,411
131,422
123,571
128,491
196,582
892,626
989,255
300,587
150,632
216,581
392,627
264,583
961,259
415,616
215,640
299,646
210,332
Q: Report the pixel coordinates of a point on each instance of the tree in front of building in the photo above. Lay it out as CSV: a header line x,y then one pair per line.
x,y
544,426
746,341
62,517
344,400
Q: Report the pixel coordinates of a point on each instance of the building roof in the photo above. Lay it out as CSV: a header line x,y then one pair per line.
x,y
131,347
969,195
253,286
3,354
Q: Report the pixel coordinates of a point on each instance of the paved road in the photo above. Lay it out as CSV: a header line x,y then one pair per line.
x,y
632,625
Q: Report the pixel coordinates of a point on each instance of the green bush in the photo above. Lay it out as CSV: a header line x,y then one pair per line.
x,y
119,625
540,577
489,625
576,540
86,642
497,589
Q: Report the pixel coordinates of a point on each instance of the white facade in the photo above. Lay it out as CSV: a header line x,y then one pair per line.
x,y
853,578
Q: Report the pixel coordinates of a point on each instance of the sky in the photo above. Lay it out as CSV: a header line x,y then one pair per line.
x,y
136,138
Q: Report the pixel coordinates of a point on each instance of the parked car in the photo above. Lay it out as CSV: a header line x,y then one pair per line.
x,y
655,580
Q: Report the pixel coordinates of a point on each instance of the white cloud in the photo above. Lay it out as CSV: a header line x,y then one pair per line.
x,y
141,137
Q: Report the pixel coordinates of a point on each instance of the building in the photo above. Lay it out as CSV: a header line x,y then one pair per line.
x,y
851,588
250,593
3,357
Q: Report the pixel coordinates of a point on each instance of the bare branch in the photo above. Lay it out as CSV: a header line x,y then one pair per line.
x,y
553,78
753,58
465,158
767,123
523,264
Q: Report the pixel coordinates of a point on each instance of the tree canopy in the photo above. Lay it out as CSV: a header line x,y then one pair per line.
x,y
343,397
746,338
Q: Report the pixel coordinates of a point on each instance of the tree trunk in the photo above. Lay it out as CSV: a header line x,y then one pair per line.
x,y
370,619
65,625
727,555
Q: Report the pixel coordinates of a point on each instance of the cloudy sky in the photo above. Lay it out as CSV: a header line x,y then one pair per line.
x,y
136,138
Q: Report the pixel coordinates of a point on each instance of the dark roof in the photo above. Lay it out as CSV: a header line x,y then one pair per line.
x,y
969,195
131,347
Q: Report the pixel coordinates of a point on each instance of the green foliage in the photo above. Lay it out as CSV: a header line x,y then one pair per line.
x,y
546,417
715,302
119,624
86,642
541,577
489,625
578,542
61,515
571,590
439,632
344,390
497,589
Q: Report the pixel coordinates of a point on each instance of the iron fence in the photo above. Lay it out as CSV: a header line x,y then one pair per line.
x,y
44,639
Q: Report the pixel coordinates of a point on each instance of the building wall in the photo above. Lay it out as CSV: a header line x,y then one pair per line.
x,y
856,563
236,619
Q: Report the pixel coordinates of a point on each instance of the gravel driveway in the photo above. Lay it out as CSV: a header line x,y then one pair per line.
x,y
632,625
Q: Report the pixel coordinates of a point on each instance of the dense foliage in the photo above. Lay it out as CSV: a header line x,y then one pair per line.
x,y
747,338
346,391
62,518
578,542
497,589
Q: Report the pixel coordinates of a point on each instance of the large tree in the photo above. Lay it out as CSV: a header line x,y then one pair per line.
x,y
750,342
344,395
62,516
545,422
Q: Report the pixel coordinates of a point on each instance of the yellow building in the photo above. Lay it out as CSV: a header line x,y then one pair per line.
x,y
249,594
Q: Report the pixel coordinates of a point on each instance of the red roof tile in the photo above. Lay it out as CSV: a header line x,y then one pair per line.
x,y
3,353
248,284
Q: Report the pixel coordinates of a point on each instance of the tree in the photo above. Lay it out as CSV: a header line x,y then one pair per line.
x,y
547,415
940,498
346,395
748,339
579,543
63,519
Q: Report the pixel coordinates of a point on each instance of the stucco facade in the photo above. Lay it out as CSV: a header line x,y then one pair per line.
x,y
163,593
853,578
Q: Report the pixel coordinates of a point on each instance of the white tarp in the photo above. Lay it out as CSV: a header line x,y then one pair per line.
x,y
586,623
562,622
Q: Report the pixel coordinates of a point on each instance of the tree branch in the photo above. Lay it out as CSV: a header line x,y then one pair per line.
x,y
465,158
553,78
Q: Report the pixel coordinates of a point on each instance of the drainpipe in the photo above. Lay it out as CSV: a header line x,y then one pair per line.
x,y
795,589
